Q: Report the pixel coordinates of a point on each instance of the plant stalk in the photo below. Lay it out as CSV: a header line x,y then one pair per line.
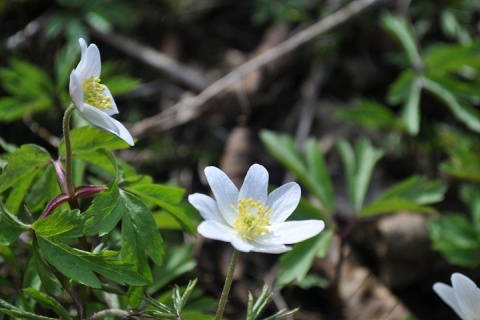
x,y
226,287
68,149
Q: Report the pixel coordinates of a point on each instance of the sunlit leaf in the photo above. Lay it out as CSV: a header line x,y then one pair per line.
x,y
11,228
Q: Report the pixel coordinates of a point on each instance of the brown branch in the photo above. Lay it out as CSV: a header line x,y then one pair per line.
x,y
180,73
190,108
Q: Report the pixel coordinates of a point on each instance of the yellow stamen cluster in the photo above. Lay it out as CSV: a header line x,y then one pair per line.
x,y
253,218
93,94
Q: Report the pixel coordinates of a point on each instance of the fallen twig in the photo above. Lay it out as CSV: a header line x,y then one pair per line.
x,y
190,108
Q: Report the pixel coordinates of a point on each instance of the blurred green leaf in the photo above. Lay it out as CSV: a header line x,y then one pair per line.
x,y
464,112
411,108
359,165
370,114
17,313
81,265
310,170
48,302
457,239
403,32
24,163
296,263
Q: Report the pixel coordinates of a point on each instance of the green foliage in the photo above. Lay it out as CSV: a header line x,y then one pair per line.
x,y
48,302
412,194
139,232
447,72
456,236
80,265
12,228
29,87
359,164
296,263
309,168
256,307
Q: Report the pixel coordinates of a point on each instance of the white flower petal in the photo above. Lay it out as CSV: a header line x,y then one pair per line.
x,y
213,230
271,248
448,296
105,122
255,185
291,232
207,207
225,192
241,244
90,63
83,55
75,88
468,295
283,201
114,110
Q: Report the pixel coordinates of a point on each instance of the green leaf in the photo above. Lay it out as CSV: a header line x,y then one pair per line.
x,y
165,197
442,58
463,112
320,176
89,139
48,279
80,265
359,166
470,194
105,212
255,308
412,194
140,235
296,263
11,228
283,149
403,32
457,239
24,163
370,114
411,108
67,223
18,313
139,231
48,302
179,262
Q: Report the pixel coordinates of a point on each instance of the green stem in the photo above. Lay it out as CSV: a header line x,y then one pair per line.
x,y
68,149
227,285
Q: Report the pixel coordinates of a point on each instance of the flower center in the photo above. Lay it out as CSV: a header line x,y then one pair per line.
x,y
253,218
93,94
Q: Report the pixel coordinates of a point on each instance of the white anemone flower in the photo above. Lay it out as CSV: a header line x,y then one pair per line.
x,y
250,218
463,297
91,98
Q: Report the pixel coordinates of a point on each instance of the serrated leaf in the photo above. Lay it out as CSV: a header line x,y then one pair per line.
x,y
80,265
105,212
296,263
417,189
48,302
22,164
11,228
139,232
167,198
140,235
67,223
89,139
